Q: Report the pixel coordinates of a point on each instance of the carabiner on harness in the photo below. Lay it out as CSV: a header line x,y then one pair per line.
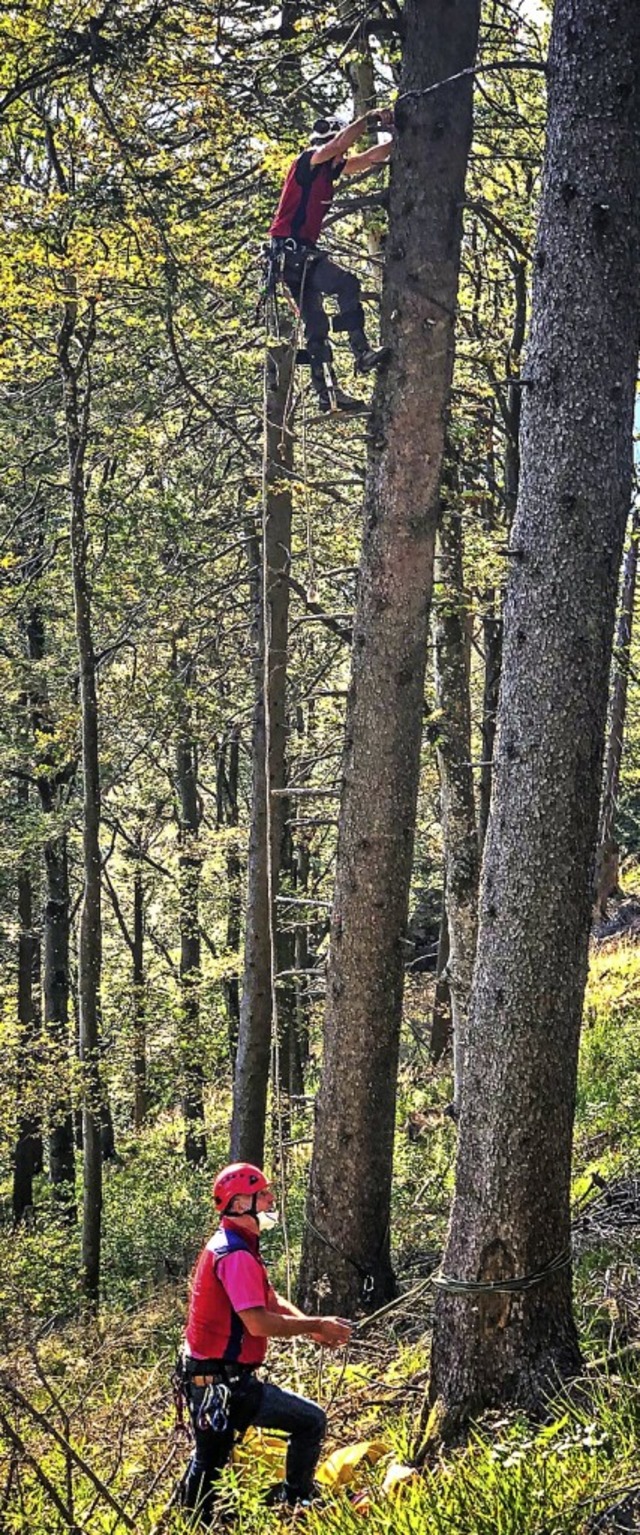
x,y
214,1409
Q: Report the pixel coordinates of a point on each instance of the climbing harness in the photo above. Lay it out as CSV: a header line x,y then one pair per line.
x,y
214,1408
275,254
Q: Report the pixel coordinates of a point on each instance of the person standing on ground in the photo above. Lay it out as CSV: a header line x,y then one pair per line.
x,y
233,1311
307,271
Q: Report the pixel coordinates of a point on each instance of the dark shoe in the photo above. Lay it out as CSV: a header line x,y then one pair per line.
x,y
288,1500
372,357
341,403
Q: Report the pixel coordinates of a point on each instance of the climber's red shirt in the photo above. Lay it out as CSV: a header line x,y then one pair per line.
x,y
306,195
229,1277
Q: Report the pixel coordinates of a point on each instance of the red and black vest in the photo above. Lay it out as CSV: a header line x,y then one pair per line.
x,y
214,1330
306,195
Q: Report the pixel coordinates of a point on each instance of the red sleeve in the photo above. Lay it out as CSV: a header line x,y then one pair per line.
x,y
243,1280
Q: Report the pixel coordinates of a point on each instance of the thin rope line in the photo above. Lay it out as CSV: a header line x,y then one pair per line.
x,y
475,69
452,1286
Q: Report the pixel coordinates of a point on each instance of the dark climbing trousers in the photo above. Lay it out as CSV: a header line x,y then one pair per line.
x,y
311,276
264,1406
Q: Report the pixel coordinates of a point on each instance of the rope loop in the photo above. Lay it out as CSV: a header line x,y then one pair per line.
x,y
519,1283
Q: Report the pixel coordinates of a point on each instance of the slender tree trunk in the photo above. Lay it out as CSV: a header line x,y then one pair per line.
x,y
459,830
511,1210
492,634
228,815
190,865
24,1160
301,956
289,1059
441,1016
350,1188
255,1036
607,850
140,1000
55,977
76,411
361,76
62,1165
492,621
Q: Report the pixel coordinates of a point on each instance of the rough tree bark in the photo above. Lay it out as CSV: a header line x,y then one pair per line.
x,y
255,1034
76,412
349,1198
511,1209
607,857
459,830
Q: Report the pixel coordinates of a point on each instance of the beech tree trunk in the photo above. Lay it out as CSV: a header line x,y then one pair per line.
x,y
511,1210
76,411
349,1197
255,1034
459,830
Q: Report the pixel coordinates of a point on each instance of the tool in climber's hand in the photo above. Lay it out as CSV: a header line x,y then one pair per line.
x,y
381,117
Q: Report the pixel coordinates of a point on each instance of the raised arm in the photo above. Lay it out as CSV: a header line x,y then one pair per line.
x,y
369,158
338,146
343,141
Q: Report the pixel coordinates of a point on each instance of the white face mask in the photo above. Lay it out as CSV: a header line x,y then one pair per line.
x,y
267,1219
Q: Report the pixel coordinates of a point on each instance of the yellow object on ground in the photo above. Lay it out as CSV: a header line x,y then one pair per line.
x,y
340,1468
259,1444
397,1476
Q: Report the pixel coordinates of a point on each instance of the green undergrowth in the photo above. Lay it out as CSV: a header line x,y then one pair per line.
x,y
105,1386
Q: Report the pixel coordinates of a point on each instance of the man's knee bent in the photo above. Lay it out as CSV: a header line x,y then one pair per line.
x,y
348,294
317,1424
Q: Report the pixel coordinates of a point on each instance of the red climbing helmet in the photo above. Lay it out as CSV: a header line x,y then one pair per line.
x,y
238,1178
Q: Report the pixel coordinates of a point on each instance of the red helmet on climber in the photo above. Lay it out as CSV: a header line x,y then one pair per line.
x,y
237,1178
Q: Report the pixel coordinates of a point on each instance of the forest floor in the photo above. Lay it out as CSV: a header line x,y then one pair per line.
x,y
94,1425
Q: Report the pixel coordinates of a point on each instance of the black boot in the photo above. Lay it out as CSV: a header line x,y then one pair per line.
x,y
366,357
331,398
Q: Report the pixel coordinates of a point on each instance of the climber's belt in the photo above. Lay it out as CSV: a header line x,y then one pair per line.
x,y
287,246
213,1372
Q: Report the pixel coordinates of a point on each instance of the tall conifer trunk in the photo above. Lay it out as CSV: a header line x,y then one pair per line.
x,y
76,412
255,1033
511,1210
459,830
619,690
55,937
347,1233
190,864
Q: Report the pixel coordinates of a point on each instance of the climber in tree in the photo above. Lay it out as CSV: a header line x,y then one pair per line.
x,y
308,272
